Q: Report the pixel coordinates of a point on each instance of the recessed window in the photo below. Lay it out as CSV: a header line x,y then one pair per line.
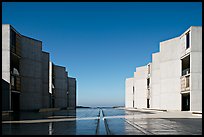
x,y
13,41
148,69
185,69
187,40
148,82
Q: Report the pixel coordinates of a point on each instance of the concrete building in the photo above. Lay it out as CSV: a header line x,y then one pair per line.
x,y
45,70
31,74
60,87
173,79
30,81
140,88
129,93
72,93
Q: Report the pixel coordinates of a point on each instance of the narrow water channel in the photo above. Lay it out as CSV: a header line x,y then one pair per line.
x,y
101,127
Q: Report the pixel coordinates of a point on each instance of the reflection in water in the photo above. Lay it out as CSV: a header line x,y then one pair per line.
x,y
50,128
16,116
86,123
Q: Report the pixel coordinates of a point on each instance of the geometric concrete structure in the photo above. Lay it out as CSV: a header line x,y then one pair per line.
x,y
129,93
7,52
191,60
46,96
60,87
140,87
30,81
170,70
71,93
31,74
174,78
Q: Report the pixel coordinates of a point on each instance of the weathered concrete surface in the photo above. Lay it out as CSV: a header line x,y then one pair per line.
x,y
31,72
155,83
6,67
170,76
166,72
45,74
35,69
140,84
60,86
129,92
196,69
72,93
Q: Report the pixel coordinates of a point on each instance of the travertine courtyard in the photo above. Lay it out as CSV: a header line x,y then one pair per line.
x,y
103,121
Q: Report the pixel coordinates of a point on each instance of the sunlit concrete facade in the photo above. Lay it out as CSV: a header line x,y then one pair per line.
x,y
129,94
140,88
174,78
30,81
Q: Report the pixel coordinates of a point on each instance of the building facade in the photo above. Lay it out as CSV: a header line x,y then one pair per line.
x,y
72,93
60,87
173,80
30,81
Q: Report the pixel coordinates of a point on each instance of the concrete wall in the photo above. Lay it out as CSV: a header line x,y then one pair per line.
x,y
155,81
196,68
170,70
67,81
6,67
31,72
50,78
36,75
71,93
45,75
165,78
60,87
140,85
129,92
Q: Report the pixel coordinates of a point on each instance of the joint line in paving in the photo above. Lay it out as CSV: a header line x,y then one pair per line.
x,y
140,128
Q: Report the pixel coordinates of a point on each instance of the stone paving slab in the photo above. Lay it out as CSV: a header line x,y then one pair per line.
x,y
118,121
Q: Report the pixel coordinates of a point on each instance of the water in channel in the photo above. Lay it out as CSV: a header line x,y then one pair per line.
x,y
101,127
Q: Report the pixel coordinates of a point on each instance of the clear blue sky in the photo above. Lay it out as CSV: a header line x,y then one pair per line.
x,y
101,44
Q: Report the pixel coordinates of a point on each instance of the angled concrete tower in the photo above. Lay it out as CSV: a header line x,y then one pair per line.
x,y
174,78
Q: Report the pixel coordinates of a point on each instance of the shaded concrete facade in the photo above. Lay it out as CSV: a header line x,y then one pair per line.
x,y
72,93
45,70
60,86
30,81
31,74
175,79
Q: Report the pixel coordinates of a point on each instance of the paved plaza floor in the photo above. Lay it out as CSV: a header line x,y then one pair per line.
x,y
103,121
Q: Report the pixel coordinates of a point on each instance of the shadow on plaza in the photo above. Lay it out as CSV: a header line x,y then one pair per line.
x,y
44,128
